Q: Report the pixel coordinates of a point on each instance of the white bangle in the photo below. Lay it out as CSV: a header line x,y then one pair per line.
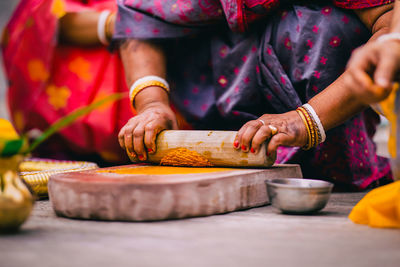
x,y
101,27
310,109
147,79
394,36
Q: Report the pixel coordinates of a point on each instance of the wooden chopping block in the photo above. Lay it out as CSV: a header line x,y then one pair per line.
x,y
147,193
216,146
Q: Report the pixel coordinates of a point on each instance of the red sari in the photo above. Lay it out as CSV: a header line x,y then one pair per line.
x,y
48,80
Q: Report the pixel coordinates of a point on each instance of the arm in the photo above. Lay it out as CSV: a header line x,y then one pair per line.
x,y
154,114
81,28
334,105
373,67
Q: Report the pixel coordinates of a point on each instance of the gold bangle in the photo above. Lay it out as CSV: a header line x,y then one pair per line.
x,y
314,126
144,85
307,146
107,27
311,126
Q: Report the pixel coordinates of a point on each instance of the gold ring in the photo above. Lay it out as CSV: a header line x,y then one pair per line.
x,y
273,129
263,123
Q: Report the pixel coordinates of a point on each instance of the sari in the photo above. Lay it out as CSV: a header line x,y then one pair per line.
x,y
232,61
47,80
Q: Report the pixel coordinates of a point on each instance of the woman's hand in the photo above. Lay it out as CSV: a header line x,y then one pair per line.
x,y
372,70
138,136
285,129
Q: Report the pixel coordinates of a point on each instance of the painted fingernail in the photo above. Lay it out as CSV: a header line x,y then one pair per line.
x,y
149,150
244,147
252,150
236,144
141,157
267,154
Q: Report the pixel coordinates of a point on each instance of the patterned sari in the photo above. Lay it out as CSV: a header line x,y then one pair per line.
x,y
232,61
47,80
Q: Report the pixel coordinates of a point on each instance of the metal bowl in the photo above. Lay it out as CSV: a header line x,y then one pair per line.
x,y
298,196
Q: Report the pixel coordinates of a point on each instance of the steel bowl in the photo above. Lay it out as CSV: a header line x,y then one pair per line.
x,y
298,196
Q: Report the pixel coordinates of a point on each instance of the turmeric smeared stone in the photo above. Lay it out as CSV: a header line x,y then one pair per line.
x,y
185,157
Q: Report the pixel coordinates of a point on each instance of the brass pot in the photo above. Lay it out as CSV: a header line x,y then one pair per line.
x,y
16,201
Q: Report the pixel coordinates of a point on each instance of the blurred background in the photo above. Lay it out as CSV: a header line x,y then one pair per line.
x,y
6,8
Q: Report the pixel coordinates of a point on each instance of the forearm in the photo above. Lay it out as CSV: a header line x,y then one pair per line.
x,y
141,58
336,104
81,28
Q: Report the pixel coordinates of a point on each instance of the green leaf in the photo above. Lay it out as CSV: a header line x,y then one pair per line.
x,y
72,117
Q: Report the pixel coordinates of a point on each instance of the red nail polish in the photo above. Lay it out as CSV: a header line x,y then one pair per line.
x,y
149,150
236,144
140,157
244,147
252,150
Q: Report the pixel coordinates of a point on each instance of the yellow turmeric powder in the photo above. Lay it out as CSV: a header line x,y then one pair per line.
x,y
185,157
162,170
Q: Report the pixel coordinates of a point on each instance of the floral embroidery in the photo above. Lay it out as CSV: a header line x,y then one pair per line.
x,y
81,68
246,80
58,96
317,74
244,58
310,43
288,43
195,90
345,19
326,10
37,71
335,41
222,81
315,29
223,51
138,17
323,60
306,59
186,102
236,70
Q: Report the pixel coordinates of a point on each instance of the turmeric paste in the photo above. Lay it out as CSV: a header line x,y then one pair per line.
x,y
185,157
162,170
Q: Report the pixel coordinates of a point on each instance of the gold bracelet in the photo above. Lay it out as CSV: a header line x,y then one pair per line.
x,y
311,125
307,146
144,85
107,27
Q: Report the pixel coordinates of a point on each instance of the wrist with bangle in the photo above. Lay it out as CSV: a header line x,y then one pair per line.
x,y
146,82
315,130
104,31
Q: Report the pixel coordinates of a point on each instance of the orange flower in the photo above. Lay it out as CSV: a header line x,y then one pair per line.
x,y
58,96
81,68
37,71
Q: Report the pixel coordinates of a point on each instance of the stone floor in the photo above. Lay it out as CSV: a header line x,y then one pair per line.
x,y
255,237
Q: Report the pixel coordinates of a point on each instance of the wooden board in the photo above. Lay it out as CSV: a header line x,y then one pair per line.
x,y
112,194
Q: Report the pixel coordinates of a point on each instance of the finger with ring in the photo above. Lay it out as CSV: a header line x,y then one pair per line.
x,y
273,129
